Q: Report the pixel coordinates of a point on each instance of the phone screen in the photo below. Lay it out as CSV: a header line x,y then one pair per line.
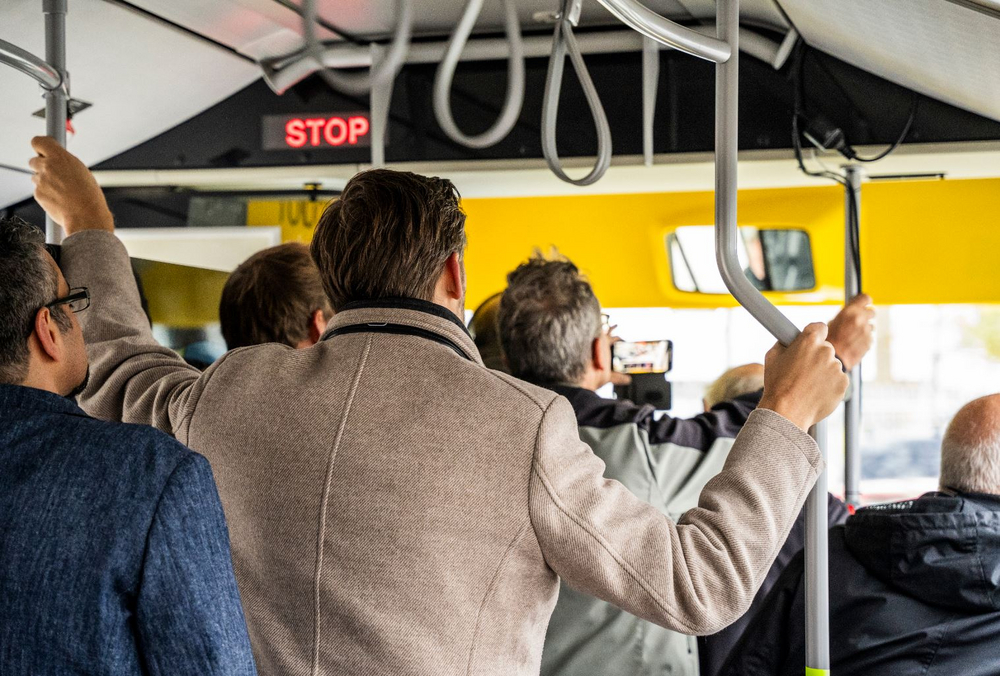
x,y
644,356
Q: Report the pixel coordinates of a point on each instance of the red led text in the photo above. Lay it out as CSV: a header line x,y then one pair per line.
x,y
325,131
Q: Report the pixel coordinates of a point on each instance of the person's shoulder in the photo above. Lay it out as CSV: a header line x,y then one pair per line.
x,y
131,448
510,390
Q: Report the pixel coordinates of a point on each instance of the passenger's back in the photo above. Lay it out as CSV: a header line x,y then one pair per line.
x,y
113,549
346,552
914,591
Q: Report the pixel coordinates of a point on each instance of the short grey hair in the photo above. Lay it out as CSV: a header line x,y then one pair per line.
x,y
29,282
549,318
970,450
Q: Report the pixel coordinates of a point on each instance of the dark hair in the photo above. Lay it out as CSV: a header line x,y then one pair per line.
x,y
485,329
27,282
549,318
271,298
388,235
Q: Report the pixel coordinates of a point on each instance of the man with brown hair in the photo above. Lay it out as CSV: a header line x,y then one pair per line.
x,y
397,508
275,296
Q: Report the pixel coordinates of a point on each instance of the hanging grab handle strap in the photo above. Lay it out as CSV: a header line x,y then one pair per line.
x,y
283,72
353,83
515,78
563,43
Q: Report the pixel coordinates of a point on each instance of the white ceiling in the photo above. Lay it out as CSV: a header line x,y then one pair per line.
x,y
936,47
141,77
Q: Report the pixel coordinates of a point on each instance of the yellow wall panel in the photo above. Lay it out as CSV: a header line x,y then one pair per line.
x,y
922,241
932,241
620,240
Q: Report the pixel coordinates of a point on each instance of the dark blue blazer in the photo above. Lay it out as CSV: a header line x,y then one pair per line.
x,y
114,553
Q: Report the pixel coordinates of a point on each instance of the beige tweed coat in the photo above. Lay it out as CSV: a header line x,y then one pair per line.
x,y
397,508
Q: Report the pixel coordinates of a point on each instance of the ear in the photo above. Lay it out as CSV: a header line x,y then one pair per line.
x,y
317,325
454,284
601,354
705,405
49,337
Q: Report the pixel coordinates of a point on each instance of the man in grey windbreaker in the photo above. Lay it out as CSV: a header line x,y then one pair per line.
x,y
550,327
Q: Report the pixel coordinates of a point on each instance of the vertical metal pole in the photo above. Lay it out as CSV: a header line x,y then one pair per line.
x,y
726,231
650,80
55,99
380,98
726,147
817,567
852,407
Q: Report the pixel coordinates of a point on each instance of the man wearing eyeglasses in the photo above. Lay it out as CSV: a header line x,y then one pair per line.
x,y
114,554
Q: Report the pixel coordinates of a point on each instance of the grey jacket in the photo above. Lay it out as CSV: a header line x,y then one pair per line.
x,y
397,508
667,463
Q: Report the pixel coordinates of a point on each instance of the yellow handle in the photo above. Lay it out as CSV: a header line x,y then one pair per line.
x,y
817,672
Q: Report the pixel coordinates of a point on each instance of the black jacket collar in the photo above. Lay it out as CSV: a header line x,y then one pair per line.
x,y
408,304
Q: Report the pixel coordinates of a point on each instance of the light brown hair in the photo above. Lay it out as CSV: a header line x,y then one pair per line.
x,y
388,235
271,298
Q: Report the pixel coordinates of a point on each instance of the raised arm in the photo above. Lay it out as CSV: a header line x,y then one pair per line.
x,y
189,618
700,574
132,377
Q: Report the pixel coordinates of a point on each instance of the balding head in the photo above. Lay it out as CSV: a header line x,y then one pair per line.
x,y
970,450
734,383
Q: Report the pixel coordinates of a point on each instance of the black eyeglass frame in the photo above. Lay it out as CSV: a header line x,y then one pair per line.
x,y
75,294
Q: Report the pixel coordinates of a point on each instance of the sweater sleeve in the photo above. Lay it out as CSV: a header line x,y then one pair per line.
x,y
132,377
188,615
694,576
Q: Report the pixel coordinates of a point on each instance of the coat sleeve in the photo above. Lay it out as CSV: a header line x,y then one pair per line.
x,y
133,378
695,576
188,613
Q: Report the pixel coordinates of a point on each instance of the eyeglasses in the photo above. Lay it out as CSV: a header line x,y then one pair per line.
x,y
78,300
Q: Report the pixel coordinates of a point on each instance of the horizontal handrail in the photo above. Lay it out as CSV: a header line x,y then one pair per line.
x,y
29,64
649,23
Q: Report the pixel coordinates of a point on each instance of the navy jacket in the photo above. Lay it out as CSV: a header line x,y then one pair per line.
x,y
914,590
114,553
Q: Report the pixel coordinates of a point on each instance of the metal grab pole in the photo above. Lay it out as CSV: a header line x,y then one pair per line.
x,y
726,233
724,51
55,99
852,407
817,589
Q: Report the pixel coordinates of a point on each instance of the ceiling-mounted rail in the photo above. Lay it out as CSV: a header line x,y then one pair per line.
x,y
39,70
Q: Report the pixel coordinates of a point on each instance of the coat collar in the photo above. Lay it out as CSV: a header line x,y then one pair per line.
x,y
409,312
37,401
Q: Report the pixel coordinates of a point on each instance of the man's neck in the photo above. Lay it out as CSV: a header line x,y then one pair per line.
x,y
41,383
590,381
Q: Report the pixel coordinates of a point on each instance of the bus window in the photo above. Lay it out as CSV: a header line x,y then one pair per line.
x,y
927,361
773,260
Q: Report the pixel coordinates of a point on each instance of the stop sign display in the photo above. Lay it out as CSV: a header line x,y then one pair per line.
x,y
315,131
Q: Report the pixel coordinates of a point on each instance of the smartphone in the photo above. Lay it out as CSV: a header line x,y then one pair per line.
x,y
644,356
